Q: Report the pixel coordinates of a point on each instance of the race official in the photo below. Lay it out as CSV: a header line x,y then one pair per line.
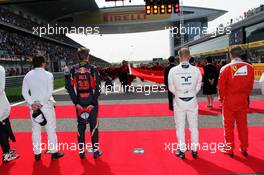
x,y
185,82
172,63
83,86
6,132
37,90
235,84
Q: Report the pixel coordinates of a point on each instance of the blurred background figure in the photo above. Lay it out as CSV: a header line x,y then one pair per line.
x,y
210,79
123,76
172,63
108,83
192,61
261,83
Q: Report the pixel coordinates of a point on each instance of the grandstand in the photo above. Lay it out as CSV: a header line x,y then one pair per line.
x,y
18,44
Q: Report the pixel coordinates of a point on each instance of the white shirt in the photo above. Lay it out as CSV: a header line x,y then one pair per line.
x,y
4,103
261,83
39,83
184,82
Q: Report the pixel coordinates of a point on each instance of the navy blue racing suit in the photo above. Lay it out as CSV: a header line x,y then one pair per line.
x,y
83,85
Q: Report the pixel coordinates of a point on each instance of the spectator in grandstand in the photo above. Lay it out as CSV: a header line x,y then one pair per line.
x,y
210,79
171,64
5,127
37,90
261,83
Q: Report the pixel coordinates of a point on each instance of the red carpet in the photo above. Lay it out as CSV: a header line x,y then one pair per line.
x,y
133,110
118,158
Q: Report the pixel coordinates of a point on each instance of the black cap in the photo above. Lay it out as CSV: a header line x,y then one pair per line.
x,y
39,117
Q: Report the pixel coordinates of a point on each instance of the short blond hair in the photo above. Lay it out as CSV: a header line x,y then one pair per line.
x,y
184,51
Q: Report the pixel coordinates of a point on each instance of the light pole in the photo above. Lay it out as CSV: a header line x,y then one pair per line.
x,y
181,22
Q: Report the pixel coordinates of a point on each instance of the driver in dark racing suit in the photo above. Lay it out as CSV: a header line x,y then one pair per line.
x,y
83,85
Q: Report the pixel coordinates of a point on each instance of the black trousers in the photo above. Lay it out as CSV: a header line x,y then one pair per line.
x,y
94,124
170,98
4,137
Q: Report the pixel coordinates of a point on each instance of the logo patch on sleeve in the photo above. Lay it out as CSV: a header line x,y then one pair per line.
x,y
242,71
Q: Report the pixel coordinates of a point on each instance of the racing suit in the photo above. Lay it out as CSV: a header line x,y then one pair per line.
x,y
235,84
4,113
83,85
261,83
185,82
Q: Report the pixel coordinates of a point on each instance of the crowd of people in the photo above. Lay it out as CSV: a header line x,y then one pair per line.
x,y
9,17
249,13
19,46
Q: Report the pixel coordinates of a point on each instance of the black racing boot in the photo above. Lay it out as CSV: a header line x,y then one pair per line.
x,y
180,154
82,155
195,154
228,152
57,155
97,154
37,157
7,157
243,152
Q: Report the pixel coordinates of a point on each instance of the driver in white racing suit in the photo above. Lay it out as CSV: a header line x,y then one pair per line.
x,y
185,82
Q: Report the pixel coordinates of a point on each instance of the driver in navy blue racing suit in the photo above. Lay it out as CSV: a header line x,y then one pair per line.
x,y
83,85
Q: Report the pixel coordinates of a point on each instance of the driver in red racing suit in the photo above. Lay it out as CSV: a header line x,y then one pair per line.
x,y
235,84
83,85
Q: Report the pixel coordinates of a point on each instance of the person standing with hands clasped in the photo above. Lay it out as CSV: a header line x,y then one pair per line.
x,y
235,84
6,132
185,82
37,90
83,85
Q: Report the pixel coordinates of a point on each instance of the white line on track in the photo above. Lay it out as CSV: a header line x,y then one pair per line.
x,y
22,102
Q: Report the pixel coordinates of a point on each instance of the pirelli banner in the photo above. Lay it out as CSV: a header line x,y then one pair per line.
x,y
119,15
258,70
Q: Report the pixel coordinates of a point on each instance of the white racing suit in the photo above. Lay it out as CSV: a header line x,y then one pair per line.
x,y
185,82
40,84
49,112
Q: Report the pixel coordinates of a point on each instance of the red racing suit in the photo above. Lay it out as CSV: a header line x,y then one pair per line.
x,y
235,84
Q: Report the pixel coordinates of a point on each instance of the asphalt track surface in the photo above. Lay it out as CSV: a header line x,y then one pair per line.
x,y
136,123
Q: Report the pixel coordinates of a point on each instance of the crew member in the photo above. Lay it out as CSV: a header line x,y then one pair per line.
x,y
5,127
37,90
171,64
83,86
235,84
185,82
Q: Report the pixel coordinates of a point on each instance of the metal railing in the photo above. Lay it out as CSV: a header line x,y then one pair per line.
x,y
15,81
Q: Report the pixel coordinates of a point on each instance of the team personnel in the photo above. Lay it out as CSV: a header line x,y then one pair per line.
x,y
171,64
261,83
5,127
185,82
37,91
83,85
235,84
